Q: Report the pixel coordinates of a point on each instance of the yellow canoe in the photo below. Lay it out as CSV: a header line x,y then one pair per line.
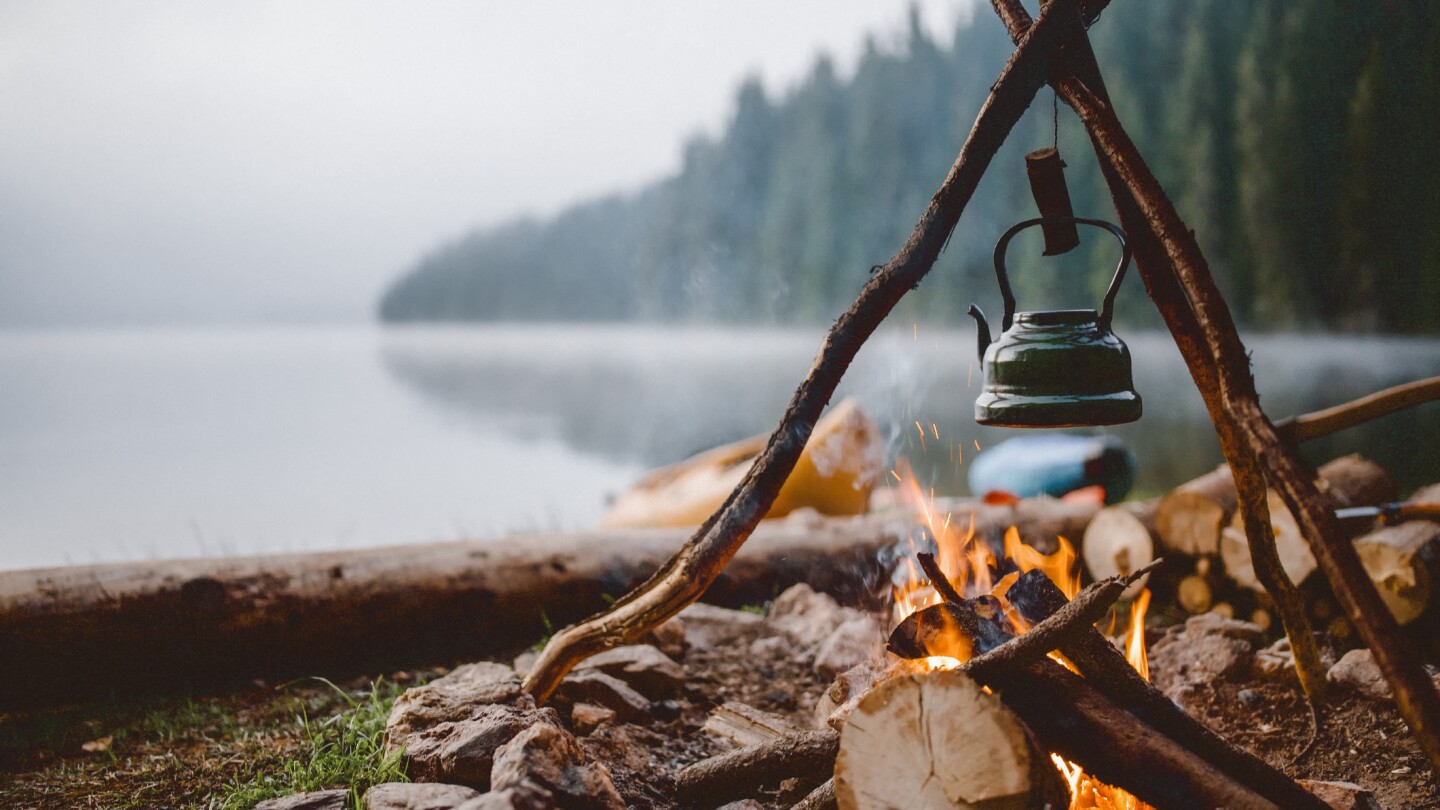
x,y
840,464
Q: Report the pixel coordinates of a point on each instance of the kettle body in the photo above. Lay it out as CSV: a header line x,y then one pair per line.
x,y
1055,368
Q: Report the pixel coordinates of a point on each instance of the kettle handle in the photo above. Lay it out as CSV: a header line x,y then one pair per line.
x,y
1107,310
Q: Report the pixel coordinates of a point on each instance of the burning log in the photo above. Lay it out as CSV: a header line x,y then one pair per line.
x,y
1104,667
936,741
1347,481
1402,561
1071,717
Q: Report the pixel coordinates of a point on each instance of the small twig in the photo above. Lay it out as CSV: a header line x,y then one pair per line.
x,y
821,798
1315,723
746,771
938,580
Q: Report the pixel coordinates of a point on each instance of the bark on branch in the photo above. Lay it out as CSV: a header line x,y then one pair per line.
x,y
1215,371
685,576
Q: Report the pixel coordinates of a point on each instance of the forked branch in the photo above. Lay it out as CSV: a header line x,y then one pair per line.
x,y
1197,314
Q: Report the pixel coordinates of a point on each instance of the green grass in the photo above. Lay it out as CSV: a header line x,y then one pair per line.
x,y
346,749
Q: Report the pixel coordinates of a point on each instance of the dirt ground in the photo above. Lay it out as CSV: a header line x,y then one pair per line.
x,y
188,753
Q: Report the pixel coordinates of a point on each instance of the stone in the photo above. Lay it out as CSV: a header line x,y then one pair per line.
x,y
1342,795
851,644
1277,662
586,717
669,638
708,627
1213,624
548,756
1186,659
454,696
450,728
595,687
520,797
314,800
417,796
743,804
651,672
807,616
524,661
1357,670
774,648
462,752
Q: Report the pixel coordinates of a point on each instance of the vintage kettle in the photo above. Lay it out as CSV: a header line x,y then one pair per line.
x,y
1057,368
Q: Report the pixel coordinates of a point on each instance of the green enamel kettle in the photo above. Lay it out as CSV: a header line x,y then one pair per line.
x,y
1055,368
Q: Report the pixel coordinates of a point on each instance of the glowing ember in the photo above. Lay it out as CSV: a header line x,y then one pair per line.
x,y
970,567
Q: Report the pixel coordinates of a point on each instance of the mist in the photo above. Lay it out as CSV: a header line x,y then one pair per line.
x,y
172,163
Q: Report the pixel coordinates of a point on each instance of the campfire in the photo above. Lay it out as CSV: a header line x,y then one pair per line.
x,y
967,565
971,569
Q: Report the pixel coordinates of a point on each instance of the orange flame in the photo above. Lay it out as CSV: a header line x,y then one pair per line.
x,y
969,565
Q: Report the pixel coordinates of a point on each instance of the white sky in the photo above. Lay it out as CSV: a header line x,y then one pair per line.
x,y
187,161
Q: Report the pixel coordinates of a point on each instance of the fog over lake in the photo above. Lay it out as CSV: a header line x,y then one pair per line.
x,y
122,445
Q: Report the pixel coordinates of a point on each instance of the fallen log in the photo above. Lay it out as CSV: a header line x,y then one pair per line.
x,y
85,632
936,741
178,625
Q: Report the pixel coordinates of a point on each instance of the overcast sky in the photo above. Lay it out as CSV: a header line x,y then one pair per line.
x,y
281,160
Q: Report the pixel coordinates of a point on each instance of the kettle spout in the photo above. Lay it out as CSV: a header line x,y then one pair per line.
x,y
982,337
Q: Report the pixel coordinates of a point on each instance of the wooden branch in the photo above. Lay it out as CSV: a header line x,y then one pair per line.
x,y
1075,720
1354,412
685,576
1248,436
746,771
1105,667
1076,78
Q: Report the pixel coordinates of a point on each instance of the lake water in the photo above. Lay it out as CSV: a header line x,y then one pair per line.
x,y
121,445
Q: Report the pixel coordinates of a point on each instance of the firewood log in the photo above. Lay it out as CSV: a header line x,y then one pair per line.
x,y
1189,518
936,741
1402,560
1347,481
1120,540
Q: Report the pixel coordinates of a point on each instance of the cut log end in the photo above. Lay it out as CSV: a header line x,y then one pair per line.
x,y
1117,543
1295,555
937,740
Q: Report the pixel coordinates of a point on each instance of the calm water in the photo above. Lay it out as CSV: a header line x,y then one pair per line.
x,y
147,444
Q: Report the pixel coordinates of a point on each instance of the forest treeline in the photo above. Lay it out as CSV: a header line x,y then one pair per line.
x,y
1297,137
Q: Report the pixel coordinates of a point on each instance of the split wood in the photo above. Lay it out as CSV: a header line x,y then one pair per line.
x,y
687,574
1178,279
